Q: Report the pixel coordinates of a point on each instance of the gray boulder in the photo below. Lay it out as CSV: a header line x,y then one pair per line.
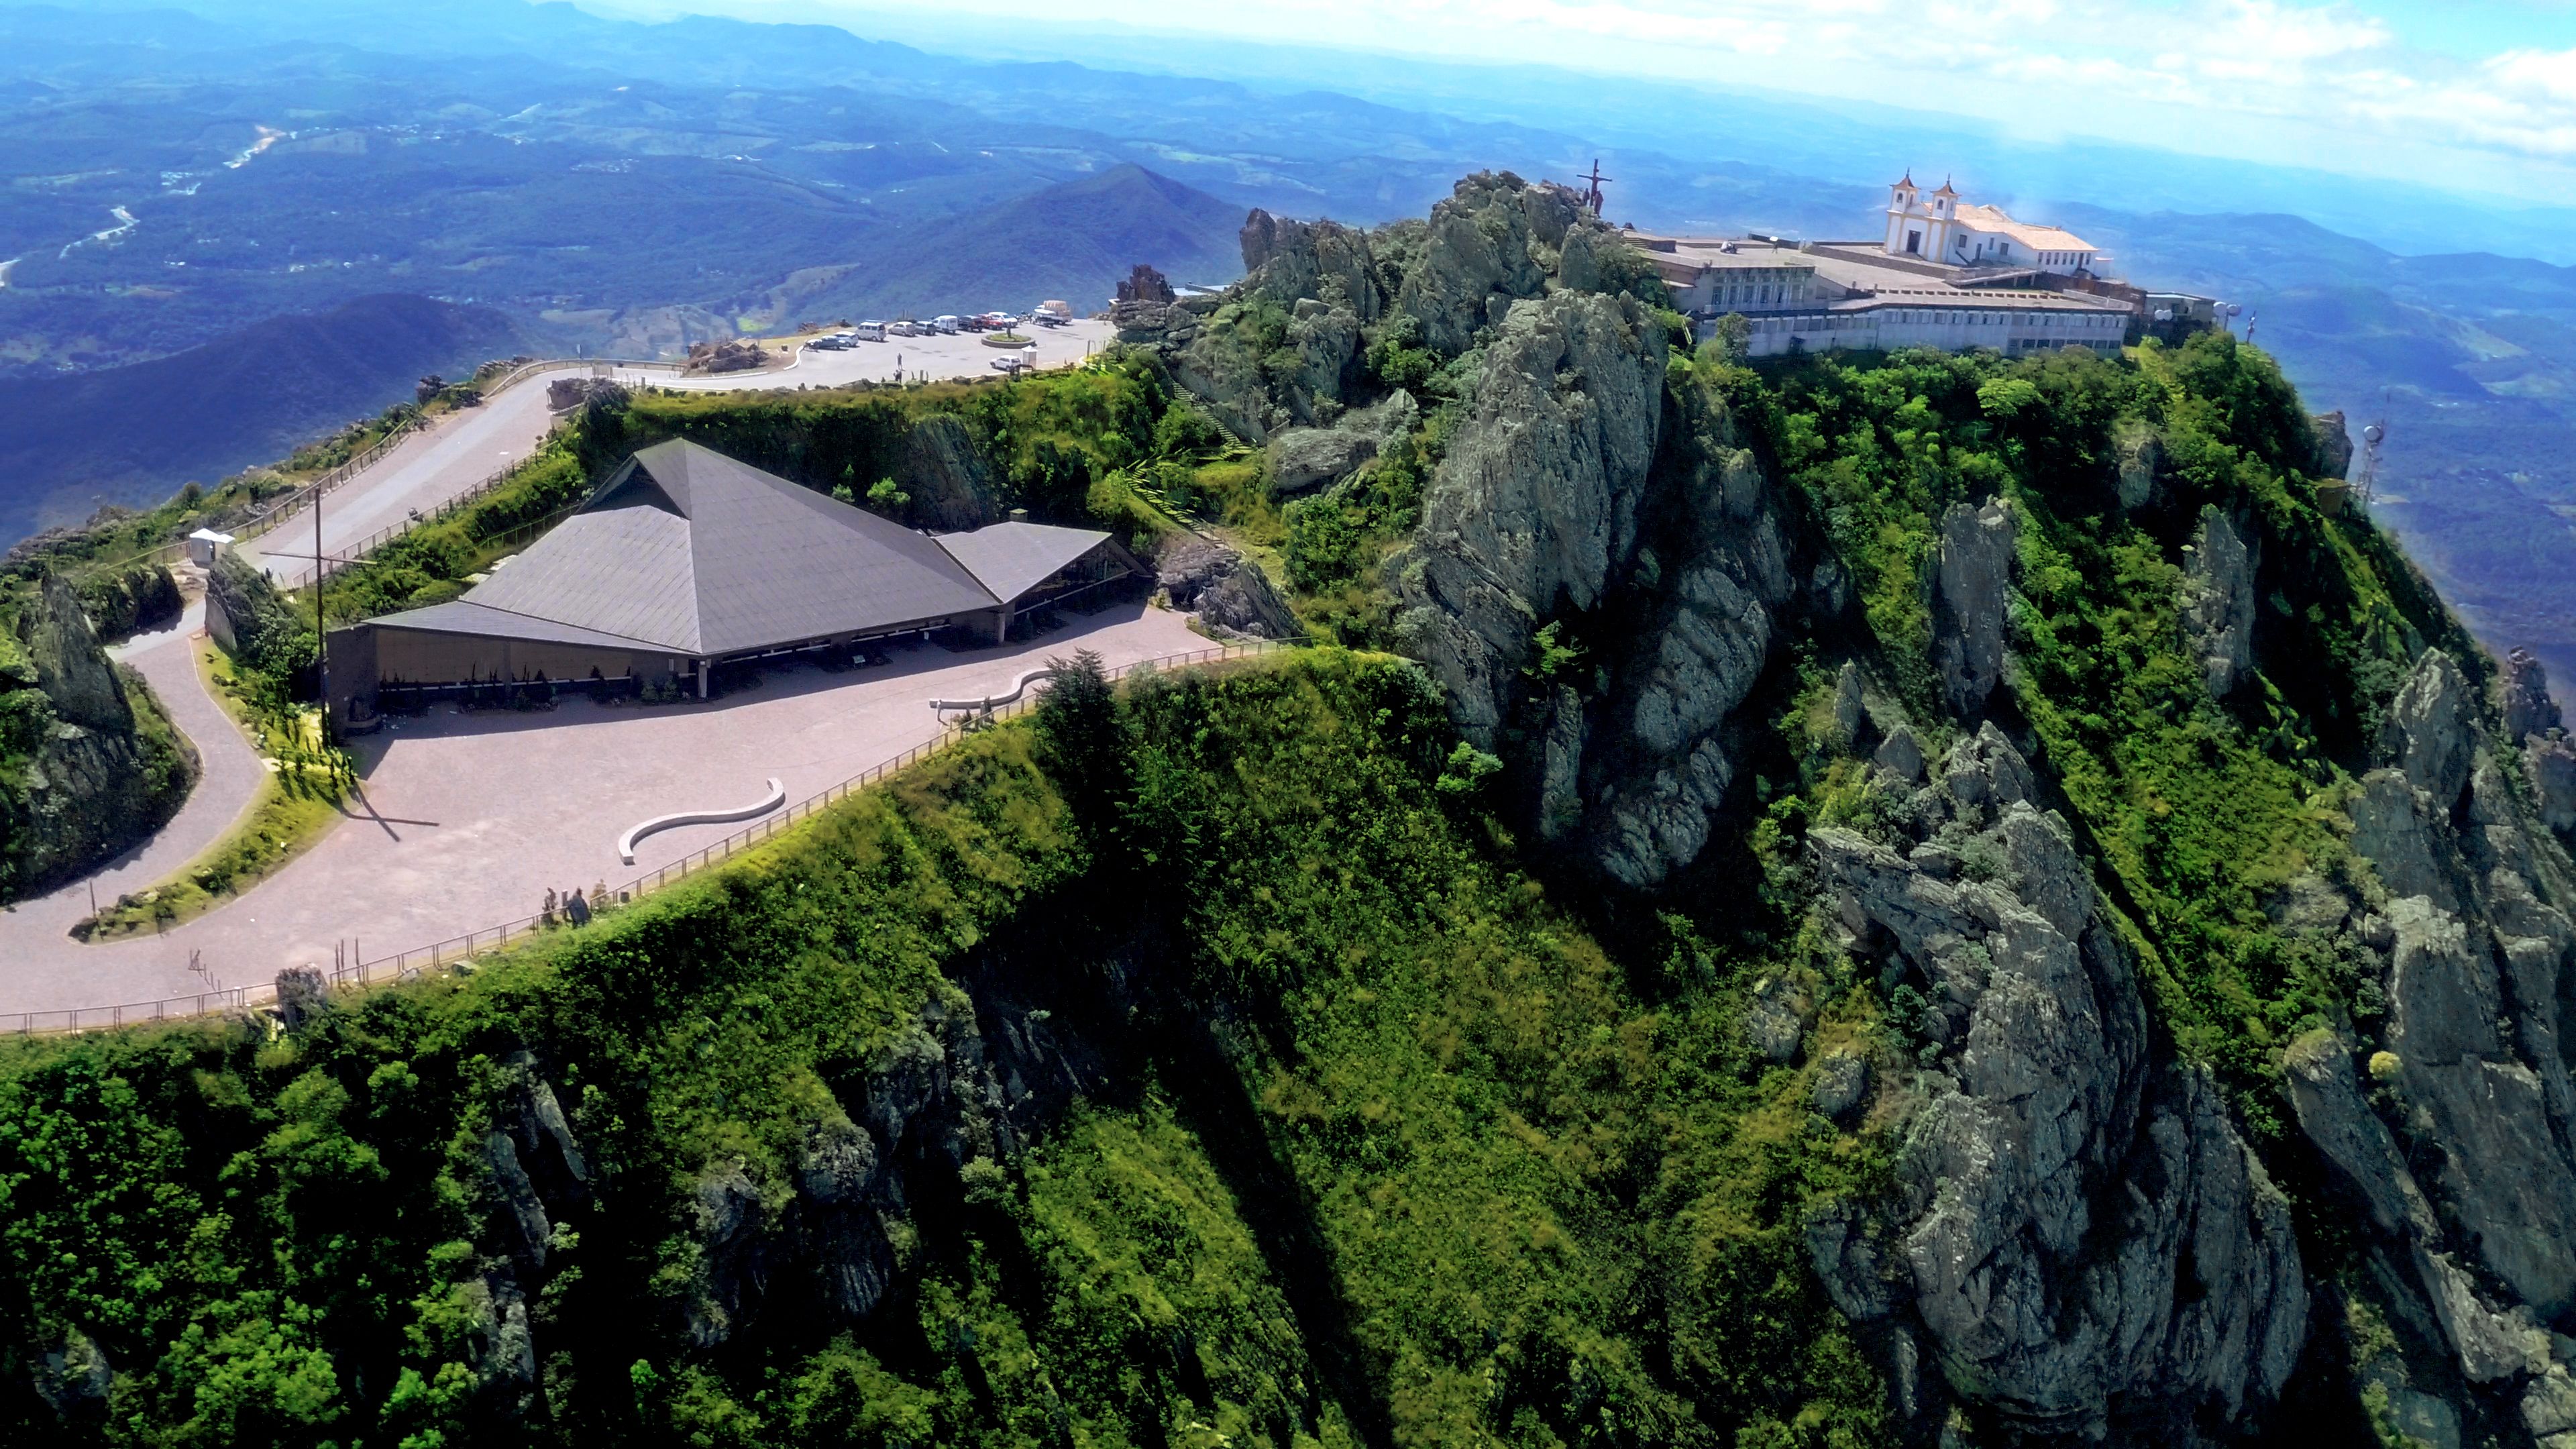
x,y
71,668
2337,1118
1302,459
2141,454
845,1194
1842,1080
730,1238
1243,602
73,1373
1970,576
1227,591
2218,601
2504,1174
2430,731
528,1231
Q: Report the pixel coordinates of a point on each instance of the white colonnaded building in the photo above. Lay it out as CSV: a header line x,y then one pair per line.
x,y
1943,274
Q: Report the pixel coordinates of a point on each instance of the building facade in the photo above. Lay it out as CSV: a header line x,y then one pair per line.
x,y
1943,274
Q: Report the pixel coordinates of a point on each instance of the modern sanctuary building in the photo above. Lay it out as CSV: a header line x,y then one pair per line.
x,y
1941,275
685,559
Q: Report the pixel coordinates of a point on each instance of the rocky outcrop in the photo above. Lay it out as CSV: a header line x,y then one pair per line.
x,y
2141,459
1304,459
74,1374
2531,717
2218,601
2462,1162
1230,593
944,472
87,764
2330,446
71,668
962,1086
2551,765
2528,707
1291,261
2081,1242
1492,242
1970,576
1536,501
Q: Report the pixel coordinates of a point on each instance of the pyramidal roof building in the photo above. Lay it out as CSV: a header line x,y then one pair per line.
x,y
685,558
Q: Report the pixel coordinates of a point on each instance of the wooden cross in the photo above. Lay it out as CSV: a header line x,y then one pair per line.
x,y
1592,198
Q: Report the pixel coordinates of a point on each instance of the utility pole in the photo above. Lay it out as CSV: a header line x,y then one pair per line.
x,y
321,644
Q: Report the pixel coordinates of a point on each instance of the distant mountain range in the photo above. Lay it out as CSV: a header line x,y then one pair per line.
x,y
1074,242
634,187
132,435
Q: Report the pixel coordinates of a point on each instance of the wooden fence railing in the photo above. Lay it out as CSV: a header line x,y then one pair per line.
x,y
445,955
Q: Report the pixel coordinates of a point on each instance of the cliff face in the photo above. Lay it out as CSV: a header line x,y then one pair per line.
x,y
1967,647
88,765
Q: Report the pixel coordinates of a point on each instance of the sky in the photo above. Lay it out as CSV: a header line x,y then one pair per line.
x,y
2469,95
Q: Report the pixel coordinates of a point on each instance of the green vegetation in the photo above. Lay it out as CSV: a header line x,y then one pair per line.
x,y
1397,1155
298,803
2197,810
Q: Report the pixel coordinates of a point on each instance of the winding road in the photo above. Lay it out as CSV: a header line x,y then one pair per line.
x,y
463,820
465,447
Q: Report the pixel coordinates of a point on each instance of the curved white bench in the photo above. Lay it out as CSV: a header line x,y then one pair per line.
x,y
626,843
993,702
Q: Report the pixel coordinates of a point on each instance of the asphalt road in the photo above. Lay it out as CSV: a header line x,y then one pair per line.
x,y
422,471
464,448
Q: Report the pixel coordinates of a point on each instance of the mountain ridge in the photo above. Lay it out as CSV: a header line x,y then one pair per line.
x,y
132,435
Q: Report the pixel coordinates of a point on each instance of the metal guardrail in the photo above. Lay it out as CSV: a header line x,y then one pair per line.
x,y
457,950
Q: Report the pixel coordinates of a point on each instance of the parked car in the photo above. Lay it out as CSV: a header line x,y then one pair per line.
x,y
868,332
1046,319
945,324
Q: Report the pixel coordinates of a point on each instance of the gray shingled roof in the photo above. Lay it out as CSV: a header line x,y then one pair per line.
x,y
460,616
688,550
1010,559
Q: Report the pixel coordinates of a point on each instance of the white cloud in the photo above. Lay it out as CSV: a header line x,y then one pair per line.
x,y
2318,82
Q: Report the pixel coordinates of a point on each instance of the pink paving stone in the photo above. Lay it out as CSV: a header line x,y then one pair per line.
x,y
465,820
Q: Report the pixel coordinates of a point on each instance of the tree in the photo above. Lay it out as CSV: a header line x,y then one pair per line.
x,y
1734,340
1082,741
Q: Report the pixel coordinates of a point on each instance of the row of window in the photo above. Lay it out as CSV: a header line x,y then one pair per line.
x,y
2077,321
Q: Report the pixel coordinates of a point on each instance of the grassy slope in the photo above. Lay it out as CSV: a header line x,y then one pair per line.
x,y
1395,1150
1404,1156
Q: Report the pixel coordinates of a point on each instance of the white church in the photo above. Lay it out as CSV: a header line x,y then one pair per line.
x,y
1937,228
1939,274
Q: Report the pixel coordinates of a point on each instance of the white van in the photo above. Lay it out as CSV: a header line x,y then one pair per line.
x,y
946,325
869,332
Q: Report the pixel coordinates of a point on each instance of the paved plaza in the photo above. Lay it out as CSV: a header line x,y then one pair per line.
x,y
464,820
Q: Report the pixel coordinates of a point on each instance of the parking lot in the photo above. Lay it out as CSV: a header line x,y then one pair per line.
x,y
959,355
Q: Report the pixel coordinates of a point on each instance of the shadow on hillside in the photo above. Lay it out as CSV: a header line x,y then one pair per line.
x,y
1210,1097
